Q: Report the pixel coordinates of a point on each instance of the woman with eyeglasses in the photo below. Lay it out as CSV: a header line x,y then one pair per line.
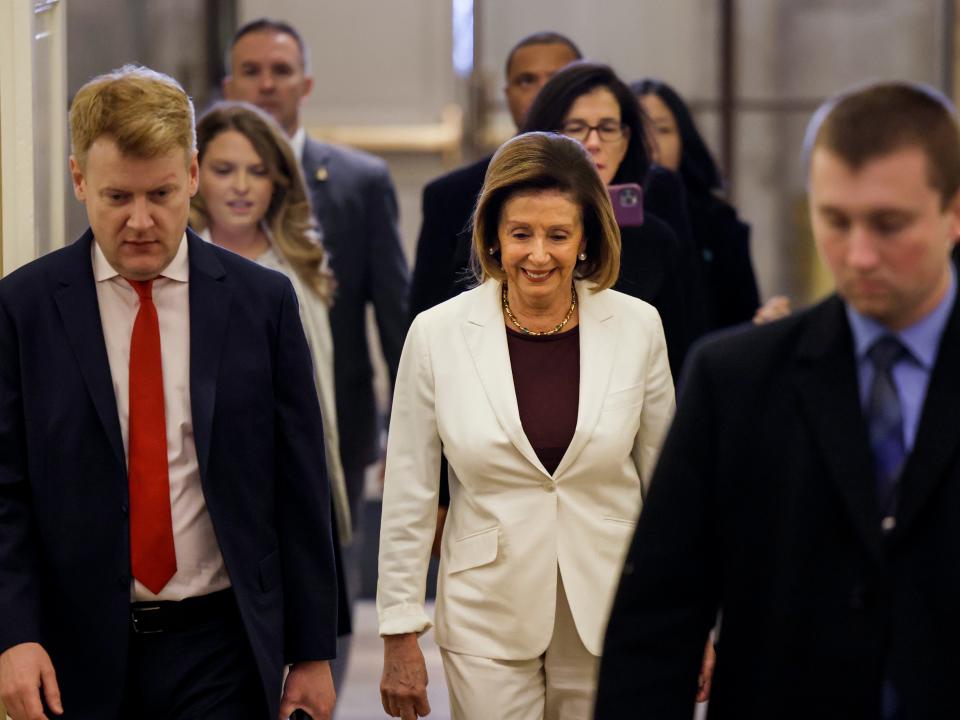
x,y
722,239
589,103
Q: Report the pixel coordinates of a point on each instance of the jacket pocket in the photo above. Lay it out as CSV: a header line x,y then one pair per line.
x,y
628,397
269,569
474,550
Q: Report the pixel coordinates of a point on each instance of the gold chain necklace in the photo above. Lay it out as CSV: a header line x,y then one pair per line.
x,y
528,331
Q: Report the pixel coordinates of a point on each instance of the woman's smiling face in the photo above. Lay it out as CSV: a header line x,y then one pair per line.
x,y
540,234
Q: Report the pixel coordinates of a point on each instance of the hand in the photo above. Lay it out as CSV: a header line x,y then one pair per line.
x,y
24,670
403,687
773,309
706,671
309,687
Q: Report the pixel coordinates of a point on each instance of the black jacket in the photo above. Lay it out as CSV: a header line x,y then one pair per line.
x,y
762,509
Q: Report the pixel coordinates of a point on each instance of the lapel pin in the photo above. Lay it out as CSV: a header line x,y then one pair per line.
x,y
322,174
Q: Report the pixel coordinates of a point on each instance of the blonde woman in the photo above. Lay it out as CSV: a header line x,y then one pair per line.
x,y
253,201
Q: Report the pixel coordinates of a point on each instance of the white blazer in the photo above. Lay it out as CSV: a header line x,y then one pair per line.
x,y
511,524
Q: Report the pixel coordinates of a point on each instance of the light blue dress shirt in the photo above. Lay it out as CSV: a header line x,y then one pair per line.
x,y
911,375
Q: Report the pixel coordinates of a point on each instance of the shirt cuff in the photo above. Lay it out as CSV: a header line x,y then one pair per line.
x,y
401,619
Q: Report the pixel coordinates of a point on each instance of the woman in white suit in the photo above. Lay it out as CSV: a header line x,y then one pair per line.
x,y
549,394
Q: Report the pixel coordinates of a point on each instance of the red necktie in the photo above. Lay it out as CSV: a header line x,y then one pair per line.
x,y
152,556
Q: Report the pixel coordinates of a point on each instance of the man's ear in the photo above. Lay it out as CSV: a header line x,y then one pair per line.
x,y
953,209
194,183
79,183
307,87
227,85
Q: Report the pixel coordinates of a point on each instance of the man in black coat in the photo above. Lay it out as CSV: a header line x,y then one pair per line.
x,y
807,496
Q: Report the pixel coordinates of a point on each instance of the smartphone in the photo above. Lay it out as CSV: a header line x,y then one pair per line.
x,y
627,200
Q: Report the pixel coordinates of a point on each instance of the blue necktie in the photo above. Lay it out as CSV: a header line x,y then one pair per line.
x,y
885,418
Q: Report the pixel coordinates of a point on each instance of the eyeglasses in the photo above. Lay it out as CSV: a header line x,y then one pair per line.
x,y
608,131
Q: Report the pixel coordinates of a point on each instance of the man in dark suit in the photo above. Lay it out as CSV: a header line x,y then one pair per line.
x,y
166,545
439,272
356,207
809,489
355,204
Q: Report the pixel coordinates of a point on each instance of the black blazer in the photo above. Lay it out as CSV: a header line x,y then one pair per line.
x,y
666,197
64,543
762,509
723,247
356,206
441,269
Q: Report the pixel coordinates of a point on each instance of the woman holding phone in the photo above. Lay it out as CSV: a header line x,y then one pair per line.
x,y
589,103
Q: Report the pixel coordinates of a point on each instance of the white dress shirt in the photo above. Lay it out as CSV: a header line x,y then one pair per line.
x,y
298,141
200,567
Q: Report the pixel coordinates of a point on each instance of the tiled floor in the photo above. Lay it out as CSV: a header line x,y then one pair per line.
x,y
360,697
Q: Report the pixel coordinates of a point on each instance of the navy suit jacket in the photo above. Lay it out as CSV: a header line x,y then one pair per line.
x,y
762,507
355,204
64,531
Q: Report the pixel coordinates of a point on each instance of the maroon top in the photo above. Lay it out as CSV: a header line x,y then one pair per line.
x,y
546,375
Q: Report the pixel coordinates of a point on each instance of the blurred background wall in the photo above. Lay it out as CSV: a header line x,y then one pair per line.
x,y
385,78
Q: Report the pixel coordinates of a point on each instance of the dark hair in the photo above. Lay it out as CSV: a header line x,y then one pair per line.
x,y
879,119
578,78
697,167
541,38
540,161
265,24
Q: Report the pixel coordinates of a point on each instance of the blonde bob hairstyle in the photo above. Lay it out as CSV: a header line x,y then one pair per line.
x,y
537,161
146,113
289,217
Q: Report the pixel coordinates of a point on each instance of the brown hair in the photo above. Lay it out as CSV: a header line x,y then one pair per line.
x,y
547,161
863,124
145,112
288,215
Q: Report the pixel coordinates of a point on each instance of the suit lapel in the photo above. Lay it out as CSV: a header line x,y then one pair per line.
x,y
486,339
76,300
937,437
827,391
210,301
598,345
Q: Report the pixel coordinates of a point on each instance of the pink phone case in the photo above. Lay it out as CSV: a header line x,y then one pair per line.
x,y
627,200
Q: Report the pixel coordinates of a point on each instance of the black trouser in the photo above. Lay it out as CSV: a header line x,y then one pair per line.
x,y
191,660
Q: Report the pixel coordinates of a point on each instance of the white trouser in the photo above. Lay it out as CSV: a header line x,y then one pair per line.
x,y
558,685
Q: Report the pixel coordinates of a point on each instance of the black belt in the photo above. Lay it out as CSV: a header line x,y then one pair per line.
x,y
148,618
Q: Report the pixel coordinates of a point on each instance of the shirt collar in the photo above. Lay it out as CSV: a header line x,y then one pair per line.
x,y
178,269
922,338
298,141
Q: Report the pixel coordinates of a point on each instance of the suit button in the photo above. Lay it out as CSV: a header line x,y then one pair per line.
x,y
549,486
124,509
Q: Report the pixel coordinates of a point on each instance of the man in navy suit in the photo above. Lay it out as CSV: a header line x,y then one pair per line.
x,y
808,493
166,545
